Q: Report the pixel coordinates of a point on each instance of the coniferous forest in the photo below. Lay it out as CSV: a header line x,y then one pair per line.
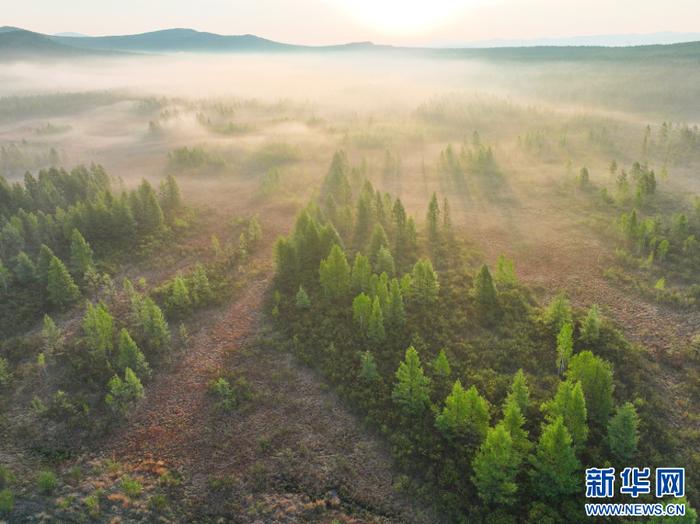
x,y
345,284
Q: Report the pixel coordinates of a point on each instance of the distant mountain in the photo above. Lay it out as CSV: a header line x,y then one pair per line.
x,y
70,33
20,44
613,40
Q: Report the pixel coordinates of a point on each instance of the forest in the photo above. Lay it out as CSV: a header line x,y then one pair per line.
x,y
384,286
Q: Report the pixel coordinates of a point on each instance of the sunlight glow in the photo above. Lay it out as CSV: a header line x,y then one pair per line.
x,y
404,16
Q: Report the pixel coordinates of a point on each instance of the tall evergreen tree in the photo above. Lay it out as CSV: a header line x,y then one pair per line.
x,y
385,262
170,198
25,271
368,368
200,289
51,336
130,356
361,273
465,416
484,293
495,468
375,324
590,328
433,220
43,262
122,394
569,404
514,422
5,278
335,274
596,377
378,241
565,346
395,312
61,289
81,260
424,283
623,434
555,466
558,313
519,392
98,326
412,389
154,331
361,311
179,301
146,209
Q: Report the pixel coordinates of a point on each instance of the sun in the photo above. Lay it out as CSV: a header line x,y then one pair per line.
x,y
403,16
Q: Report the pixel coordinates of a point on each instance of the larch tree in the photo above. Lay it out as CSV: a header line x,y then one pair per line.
x,y
43,262
302,298
385,262
395,312
433,220
130,356
496,466
375,324
361,273
465,416
424,283
5,278
200,288
122,394
590,328
557,313
484,293
81,261
565,346
520,392
335,274
170,198
569,403
368,368
623,434
361,311
555,472
514,422
412,388
51,336
155,334
25,270
596,377
505,272
179,301
60,287
98,326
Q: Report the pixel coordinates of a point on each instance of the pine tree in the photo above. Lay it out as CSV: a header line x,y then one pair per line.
x,y
122,394
51,336
555,466
179,300
484,293
98,326
565,346
302,298
155,334
361,273
375,324
61,289
361,311
81,260
5,278
495,468
441,365
25,271
412,389
43,262
385,262
395,312
130,356
368,368
465,416
623,434
590,328
446,218
378,241
200,289
569,404
505,272
596,377
335,274
170,198
558,313
424,283
514,422
147,210
519,392
433,220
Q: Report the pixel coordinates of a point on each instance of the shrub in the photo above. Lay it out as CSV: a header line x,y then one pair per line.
x,y
47,482
7,501
131,487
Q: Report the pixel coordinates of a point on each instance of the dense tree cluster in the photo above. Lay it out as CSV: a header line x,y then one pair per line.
x,y
435,355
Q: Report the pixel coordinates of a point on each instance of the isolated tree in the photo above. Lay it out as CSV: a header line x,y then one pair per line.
x,y
569,404
368,367
25,271
519,392
200,288
335,274
179,301
155,334
565,346
596,377
130,356
555,471
60,287
590,328
412,389
361,273
623,434
558,313
122,394
81,260
395,316
484,293
385,262
424,283
302,298
465,416
375,324
496,466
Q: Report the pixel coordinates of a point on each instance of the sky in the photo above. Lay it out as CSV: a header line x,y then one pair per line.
x,y
401,22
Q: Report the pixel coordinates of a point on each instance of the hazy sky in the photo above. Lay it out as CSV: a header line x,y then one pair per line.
x,y
383,21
